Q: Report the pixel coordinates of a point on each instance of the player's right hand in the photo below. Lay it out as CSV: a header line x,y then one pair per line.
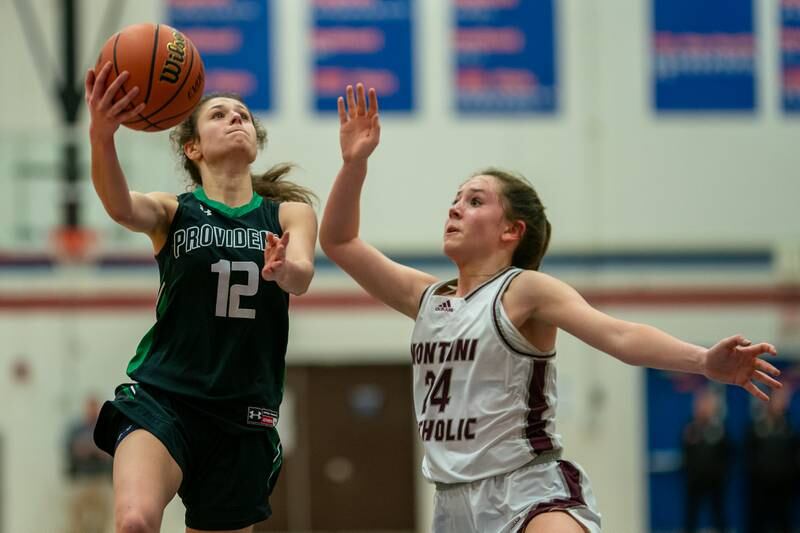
x,y
359,124
105,114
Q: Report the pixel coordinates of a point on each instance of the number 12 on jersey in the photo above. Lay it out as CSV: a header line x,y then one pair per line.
x,y
228,296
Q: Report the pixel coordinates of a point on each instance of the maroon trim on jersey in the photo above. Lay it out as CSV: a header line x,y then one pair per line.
x,y
485,283
572,480
496,320
536,430
449,284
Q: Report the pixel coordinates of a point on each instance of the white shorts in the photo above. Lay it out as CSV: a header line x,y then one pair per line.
x,y
508,502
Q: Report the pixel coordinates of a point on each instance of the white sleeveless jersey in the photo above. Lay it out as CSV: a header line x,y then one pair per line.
x,y
484,397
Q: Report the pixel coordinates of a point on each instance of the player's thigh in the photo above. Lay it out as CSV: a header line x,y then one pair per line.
x,y
146,477
248,529
554,522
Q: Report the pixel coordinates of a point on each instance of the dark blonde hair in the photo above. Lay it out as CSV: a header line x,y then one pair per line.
x,y
271,184
521,202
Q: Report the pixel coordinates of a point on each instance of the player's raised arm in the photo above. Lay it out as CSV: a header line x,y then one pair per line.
x,y
145,213
396,285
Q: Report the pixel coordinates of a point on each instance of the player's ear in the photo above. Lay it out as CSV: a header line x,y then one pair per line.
x,y
514,231
192,150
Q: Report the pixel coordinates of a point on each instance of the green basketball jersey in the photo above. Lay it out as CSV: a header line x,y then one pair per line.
x,y
220,335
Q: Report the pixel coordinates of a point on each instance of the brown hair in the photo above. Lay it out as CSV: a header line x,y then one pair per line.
x,y
270,184
521,202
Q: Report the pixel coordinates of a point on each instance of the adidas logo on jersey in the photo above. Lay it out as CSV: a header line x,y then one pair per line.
x,y
444,307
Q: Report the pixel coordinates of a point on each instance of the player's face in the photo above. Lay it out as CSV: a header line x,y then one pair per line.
x,y
476,219
225,127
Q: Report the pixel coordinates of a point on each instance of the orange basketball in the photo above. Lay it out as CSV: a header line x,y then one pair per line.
x,y
166,67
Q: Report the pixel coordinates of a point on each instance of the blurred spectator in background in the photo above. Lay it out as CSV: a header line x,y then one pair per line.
x,y
772,454
706,455
89,475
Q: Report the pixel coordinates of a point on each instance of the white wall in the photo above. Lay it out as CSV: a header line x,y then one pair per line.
x,y
612,173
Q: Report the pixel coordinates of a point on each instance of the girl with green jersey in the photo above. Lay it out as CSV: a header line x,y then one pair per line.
x,y
199,418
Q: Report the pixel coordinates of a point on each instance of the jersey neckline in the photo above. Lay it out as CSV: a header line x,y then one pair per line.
x,y
454,284
231,212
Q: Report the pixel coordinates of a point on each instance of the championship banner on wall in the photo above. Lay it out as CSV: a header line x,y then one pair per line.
x,y
233,37
505,56
703,55
790,54
366,41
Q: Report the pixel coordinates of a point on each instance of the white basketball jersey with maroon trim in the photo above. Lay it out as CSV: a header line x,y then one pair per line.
x,y
484,397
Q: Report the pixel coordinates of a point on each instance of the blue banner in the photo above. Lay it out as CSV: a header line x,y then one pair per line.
x,y
233,38
366,41
505,56
790,54
703,55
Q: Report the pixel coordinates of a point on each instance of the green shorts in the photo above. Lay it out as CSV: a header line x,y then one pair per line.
x,y
227,476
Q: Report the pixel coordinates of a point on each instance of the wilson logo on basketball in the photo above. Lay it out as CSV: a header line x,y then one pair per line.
x,y
166,67
171,71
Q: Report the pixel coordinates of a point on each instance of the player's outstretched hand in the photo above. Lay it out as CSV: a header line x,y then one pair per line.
x,y
359,125
736,361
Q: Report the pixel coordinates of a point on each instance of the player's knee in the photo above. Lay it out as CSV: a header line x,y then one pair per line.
x,y
133,520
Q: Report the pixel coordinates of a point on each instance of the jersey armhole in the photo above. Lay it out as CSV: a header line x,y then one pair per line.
x,y
171,229
428,291
274,215
507,332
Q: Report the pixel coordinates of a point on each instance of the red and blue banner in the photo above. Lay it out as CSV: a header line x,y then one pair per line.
x,y
368,41
790,54
505,56
233,38
703,55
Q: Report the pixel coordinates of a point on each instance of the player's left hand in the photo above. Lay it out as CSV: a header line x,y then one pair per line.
x,y
736,361
275,256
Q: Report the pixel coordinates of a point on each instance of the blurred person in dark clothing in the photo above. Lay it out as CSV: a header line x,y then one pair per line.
x,y
706,454
89,475
773,462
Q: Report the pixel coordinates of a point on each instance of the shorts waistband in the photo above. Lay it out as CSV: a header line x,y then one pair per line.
x,y
542,458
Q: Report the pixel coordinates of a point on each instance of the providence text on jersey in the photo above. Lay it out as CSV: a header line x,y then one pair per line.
x,y
194,237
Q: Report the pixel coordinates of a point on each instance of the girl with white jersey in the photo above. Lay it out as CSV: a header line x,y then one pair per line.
x,y
483,346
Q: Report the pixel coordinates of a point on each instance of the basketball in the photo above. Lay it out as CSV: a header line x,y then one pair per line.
x,y
166,67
